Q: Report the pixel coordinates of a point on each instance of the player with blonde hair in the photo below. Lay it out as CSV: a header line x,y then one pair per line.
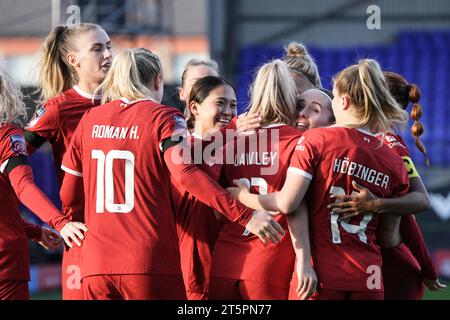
x,y
74,61
17,184
125,153
326,161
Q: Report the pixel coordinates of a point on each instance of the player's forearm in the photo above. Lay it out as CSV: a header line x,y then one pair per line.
x,y
413,202
195,181
251,200
412,237
72,196
33,231
33,198
265,202
299,229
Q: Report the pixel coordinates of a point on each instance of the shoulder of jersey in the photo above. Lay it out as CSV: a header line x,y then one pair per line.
x,y
290,131
10,129
62,98
393,140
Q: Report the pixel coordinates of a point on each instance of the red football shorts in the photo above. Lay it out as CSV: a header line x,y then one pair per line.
x,y
231,289
71,274
134,287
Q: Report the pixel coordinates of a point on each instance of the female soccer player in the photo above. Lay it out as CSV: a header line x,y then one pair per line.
x,y
407,264
242,267
126,151
345,254
16,183
212,104
74,62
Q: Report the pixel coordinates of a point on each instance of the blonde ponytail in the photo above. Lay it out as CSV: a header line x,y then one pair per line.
x,y
365,84
273,94
56,75
130,75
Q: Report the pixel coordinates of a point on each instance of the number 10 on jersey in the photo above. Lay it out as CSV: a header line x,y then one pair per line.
x,y
105,181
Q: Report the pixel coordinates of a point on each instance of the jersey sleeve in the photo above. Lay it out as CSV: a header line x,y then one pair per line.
x,y
12,145
72,161
173,126
412,236
410,167
306,154
401,182
45,121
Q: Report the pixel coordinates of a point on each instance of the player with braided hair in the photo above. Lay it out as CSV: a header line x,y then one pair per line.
x,y
407,264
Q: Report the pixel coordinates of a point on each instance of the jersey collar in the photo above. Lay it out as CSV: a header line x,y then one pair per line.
x,y
85,94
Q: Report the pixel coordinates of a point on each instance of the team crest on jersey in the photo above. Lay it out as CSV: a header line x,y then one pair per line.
x,y
37,115
18,145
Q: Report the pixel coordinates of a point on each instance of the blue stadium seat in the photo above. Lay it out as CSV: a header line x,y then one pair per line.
x,y
422,57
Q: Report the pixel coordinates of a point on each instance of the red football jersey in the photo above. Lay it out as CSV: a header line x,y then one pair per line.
x,y
128,208
409,228
345,254
197,228
14,257
260,161
57,120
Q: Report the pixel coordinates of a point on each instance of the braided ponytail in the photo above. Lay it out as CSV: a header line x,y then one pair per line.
x,y
405,93
416,113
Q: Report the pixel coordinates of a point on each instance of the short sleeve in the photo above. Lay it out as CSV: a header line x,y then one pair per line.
x,y
72,161
44,121
306,154
12,144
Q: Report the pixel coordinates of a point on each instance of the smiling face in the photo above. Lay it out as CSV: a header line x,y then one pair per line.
x,y
217,110
314,110
92,57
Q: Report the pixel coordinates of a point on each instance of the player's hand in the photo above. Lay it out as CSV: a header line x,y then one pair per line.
x,y
50,240
265,227
240,191
73,231
434,285
307,280
353,205
246,123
